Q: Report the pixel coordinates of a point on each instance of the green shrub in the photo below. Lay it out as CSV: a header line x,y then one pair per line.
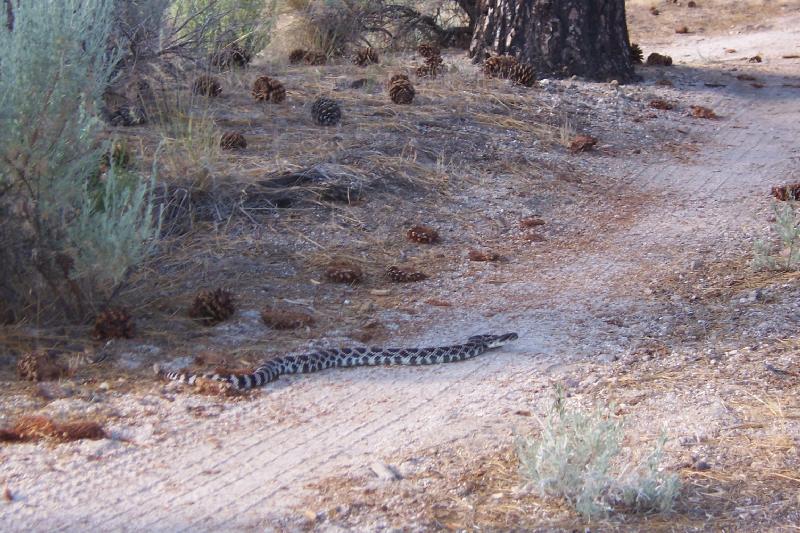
x,y
58,244
576,457
783,252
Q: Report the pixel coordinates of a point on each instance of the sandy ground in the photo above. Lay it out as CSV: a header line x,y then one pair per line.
x,y
197,463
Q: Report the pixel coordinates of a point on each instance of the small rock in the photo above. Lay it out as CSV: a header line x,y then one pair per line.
x,y
701,465
696,264
757,295
50,390
609,357
385,472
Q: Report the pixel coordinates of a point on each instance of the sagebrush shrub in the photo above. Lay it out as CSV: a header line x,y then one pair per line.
x,y
67,235
782,250
577,457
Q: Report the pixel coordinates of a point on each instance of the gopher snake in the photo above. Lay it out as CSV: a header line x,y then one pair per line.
x,y
349,357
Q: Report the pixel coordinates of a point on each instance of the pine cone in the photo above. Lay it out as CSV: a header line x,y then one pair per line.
x,y
395,78
212,307
277,92
402,275
261,88
40,366
230,56
658,103
113,323
477,255
434,61
402,92
315,58
699,111
656,59
365,56
426,71
232,140
637,56
268,89
207,86
432,67
582,143
427,50
297,55
531,222
787,192
499,66
422,234
523,74
128,114
343,272
285,319
326,112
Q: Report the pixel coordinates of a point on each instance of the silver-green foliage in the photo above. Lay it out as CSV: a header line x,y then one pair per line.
x,y
576,457
54,66
785,253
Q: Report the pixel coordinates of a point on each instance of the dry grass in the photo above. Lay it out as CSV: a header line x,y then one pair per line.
x,y
407,160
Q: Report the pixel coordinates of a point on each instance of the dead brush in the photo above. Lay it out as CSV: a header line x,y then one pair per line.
x,y
34,428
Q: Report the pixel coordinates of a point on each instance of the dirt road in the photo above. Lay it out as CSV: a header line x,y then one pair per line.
x,y
191,463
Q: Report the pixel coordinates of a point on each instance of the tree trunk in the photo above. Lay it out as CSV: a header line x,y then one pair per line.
x,y
9,15
588,38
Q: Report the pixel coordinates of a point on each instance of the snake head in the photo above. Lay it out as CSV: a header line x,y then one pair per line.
x,y
493,341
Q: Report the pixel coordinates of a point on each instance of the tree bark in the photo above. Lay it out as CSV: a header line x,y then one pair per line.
x,y
559,38
9,15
